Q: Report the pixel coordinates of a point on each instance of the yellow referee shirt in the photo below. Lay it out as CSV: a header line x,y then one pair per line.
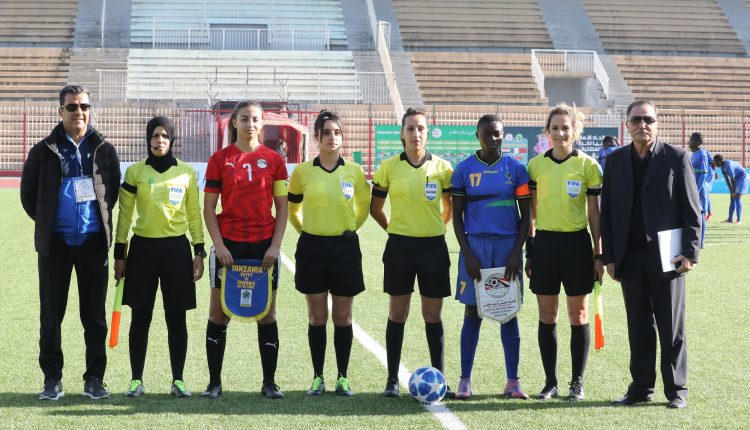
x,y
327,203
561,189
167,203
415,193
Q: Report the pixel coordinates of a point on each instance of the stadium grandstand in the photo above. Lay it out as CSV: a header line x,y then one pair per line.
x,y
370,59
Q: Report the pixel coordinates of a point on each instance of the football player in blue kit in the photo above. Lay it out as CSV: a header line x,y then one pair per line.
x,y
489,190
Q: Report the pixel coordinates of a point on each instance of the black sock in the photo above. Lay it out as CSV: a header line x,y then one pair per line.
x,y
138,341
316,337
435,343
580,340
547,335
268,344
216,337
342,342
394,340
177,337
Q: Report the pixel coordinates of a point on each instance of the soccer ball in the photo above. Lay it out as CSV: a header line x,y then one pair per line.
x,y
427,385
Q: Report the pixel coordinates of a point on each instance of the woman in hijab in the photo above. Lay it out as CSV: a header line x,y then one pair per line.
x,y
164,192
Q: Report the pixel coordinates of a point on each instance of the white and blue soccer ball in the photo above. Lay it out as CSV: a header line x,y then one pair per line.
x,y
427,385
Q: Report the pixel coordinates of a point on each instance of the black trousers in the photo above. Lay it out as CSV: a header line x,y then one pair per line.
x,y
654,304
90,262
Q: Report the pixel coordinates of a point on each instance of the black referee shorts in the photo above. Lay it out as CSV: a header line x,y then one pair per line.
x,y
562,257
329,263
424,258
150,260
242,251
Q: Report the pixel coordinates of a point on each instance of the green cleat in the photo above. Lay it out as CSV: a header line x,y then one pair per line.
x,y
179,390
318,386
342,387
136,388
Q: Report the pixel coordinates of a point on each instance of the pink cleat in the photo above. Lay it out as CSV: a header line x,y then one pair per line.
x,y
464,389
738,222
513,390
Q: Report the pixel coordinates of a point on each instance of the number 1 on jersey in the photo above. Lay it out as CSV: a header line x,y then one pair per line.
x,y
474,178
249,168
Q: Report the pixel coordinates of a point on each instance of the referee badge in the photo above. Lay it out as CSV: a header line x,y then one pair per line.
x,y
430,190
175,195
348,189
574,188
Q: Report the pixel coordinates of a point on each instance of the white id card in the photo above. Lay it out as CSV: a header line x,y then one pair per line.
x,y
84,189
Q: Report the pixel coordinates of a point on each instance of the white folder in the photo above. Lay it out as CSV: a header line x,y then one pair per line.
x,y
670,246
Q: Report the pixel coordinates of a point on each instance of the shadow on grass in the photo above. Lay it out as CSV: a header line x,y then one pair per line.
x,y
294,403
494,403
229,403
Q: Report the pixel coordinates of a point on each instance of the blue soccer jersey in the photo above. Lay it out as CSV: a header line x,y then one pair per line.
x,y
491,191
702,167
734,170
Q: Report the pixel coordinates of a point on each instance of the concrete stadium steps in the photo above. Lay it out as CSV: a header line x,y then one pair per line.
x,y
312,76
738,15
88,33
689,82
272,14
85,64
482,78
471,25
668,27
41,23
33,73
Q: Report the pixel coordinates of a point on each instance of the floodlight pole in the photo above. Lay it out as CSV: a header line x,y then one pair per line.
x,y
104,9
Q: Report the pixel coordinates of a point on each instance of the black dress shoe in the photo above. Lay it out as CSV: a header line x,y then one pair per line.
x,y
631,399
677,403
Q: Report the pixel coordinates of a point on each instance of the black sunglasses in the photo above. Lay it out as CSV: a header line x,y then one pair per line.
x,y
72,107
636,119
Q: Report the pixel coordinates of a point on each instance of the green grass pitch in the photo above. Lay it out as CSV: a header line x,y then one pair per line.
x,y
718,300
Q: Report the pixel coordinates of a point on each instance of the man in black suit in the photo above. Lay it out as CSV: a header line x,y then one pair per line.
x,y
649,186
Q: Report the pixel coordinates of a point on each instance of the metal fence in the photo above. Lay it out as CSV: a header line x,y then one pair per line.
x,y
546,61
251,39
117,86
21,127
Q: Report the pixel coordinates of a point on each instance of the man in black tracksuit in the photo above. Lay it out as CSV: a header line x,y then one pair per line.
x,y
69,186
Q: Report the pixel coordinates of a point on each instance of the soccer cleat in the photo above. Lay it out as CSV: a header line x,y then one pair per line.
x,y
342,387
271,390
136,388
95,389
513,390
449,394
212,391
53,390
549,391
391,388
576,390
318,386
464,388
179,390
738,223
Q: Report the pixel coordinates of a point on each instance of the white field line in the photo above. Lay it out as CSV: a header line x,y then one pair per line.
x,y
443,414
710,245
